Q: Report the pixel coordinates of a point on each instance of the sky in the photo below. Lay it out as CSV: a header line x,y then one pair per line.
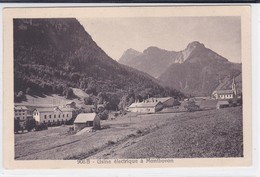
x,y
116,35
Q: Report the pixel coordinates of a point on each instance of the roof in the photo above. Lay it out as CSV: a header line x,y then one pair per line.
x,y
223,91
223,102
20,108
144,105
84,117
52,109
66,109
162,100
71,102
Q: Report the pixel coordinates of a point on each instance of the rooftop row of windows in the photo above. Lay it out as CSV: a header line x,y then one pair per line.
x,y
54,116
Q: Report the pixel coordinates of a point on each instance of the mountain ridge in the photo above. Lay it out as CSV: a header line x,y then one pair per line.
x,y
196,70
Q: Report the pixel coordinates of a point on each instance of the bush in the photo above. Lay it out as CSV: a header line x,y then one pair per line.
x,y
191,106
103,115
96,123
17,126
110,142
40,127
88,101
30,124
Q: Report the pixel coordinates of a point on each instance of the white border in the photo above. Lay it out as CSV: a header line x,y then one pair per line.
x,y
254,170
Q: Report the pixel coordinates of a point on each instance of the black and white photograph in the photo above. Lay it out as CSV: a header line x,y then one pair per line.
x,y
126,88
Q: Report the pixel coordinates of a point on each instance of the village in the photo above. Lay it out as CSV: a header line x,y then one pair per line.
x,y
90,119
72,131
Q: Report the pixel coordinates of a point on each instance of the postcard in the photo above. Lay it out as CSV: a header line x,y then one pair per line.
x,y
135,87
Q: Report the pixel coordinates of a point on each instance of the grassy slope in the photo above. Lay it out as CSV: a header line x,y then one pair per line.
x,y
55,143
53,99
215,133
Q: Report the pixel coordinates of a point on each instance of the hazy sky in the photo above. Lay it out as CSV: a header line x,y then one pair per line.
x,y
116,35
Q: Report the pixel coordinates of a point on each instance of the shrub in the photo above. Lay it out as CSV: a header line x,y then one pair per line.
x,y
40,127
17,126
103,115
30,124
191,106
110,142
96,123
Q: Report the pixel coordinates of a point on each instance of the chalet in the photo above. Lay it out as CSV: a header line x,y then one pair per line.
x,y
146,107
20,113
222,104
52,115
85,120
226,94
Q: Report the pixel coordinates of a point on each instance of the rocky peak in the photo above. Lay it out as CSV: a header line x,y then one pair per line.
x,y
195,44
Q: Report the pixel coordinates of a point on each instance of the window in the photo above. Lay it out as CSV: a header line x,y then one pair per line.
x,y
44,121
54,116
67,115
59,115
49,116
63,115
45,116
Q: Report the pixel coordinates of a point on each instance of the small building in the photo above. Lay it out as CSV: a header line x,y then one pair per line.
x,y
20,113
146,107
222,104
52,115
85,120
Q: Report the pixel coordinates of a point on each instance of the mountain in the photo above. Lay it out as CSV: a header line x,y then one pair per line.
x,y
196,70
153,60
53,55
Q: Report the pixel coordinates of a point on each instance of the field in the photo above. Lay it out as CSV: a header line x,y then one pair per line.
x,y
53,99
213,133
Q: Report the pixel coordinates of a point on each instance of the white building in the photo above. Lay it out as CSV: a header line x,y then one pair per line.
x,y
52,115
226,94
223,94
146,107
20,113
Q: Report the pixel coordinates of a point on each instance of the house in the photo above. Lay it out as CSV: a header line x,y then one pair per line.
x,y
166,101
145,107
86,120
52,114
222,104
226,94
20,113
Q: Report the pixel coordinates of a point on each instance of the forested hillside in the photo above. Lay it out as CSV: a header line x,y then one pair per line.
x,y
53,55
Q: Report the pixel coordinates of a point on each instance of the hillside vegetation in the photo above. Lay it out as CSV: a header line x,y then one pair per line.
x,y
51,56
